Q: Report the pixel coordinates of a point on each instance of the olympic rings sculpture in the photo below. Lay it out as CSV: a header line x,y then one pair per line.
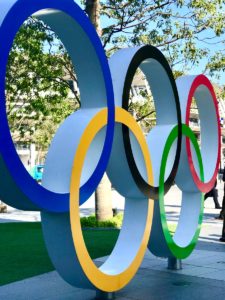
x,y
108,139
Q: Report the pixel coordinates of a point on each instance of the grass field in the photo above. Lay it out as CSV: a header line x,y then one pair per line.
x,y
23,253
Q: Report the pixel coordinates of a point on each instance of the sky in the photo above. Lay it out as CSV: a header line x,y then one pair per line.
x,y
195,69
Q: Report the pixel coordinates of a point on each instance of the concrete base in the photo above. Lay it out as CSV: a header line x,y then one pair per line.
x,y
100,295
203,277
174,263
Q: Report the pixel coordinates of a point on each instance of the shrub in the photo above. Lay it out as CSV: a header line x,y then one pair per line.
x,y
91,222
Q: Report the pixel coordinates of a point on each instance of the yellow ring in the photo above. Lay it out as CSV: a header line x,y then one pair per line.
x,y
103,281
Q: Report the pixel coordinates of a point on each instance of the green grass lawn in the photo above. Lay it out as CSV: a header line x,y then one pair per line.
x,y
23,253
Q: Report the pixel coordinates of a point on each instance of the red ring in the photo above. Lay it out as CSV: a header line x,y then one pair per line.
x,y
203,186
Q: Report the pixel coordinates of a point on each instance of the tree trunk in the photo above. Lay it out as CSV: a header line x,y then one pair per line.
x,y
103,194
3,207
103,200
92,8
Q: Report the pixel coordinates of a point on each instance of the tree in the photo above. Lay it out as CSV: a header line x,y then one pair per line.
x,y
184,30
176,27
37,97
93,10
103,194
39,94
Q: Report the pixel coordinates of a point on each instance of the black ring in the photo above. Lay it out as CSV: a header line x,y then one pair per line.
x,y
144,53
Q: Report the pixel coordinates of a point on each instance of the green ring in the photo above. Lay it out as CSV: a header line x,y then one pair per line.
x,y
177,251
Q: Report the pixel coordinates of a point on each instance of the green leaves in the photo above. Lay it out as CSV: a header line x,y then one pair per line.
x,y
38,85
38,93
184,30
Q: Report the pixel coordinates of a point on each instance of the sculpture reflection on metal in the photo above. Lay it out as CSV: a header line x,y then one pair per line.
x,y
108,139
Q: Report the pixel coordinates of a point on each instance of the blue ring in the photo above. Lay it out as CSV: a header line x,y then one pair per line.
x,y
32,195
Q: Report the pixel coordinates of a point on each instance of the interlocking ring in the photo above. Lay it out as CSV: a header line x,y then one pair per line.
x,y
186,235
88,150
117,271
188,180
121,266
96,92
154,66
201,89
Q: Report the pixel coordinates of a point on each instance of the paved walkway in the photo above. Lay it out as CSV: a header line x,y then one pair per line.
x,y
202,276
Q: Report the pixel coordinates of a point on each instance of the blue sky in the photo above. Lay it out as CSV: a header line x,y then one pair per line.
x,y
195,69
